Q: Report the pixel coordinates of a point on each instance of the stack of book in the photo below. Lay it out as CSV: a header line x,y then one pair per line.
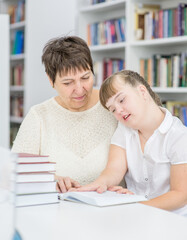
x,y
35,180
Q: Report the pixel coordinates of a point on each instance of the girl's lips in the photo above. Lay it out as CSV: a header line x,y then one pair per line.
x,y
126,117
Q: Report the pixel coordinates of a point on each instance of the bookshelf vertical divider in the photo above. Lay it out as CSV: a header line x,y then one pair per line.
x,y
4,80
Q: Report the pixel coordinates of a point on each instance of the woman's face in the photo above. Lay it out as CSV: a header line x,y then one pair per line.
x,y
74,89
128,105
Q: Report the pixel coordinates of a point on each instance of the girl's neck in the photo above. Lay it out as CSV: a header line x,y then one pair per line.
x,y
152,121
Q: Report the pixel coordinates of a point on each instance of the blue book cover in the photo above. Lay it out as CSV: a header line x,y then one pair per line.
x,y
184,115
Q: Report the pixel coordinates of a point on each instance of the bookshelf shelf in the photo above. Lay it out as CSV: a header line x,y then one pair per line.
x,y
164,41
17,25
102,7
16,119
170,90
15,57
16,88
108,47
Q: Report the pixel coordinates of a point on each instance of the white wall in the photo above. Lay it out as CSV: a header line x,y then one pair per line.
x,y
4,81
46,19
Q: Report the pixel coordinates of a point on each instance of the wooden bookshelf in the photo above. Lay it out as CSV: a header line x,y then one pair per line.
x,y
38,28
133,50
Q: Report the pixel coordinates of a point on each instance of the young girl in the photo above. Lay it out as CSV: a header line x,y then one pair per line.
x,y
148,147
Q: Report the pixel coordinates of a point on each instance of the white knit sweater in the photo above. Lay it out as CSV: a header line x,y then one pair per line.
x,y
77,141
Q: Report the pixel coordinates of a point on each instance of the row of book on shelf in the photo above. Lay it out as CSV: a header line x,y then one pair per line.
x,y
18,42
153,22
93,2
109,31
17,75
165,70
16,106
17,12
178,109
35,180
106,67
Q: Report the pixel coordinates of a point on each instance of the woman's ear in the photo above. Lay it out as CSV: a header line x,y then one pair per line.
x,y
51,82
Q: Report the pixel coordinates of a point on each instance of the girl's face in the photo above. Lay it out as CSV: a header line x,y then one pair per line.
x,y
128,104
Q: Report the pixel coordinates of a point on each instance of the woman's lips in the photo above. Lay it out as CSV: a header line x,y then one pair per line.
x,y
79,98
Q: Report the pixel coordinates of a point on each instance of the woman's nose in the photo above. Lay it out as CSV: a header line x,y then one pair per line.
x,y
78,88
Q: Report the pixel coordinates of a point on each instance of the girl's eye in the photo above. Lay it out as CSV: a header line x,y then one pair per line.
x,y
121,100
113,111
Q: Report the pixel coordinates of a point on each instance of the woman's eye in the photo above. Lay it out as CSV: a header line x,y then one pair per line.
x,y
113,111
85,78
68,83
121,100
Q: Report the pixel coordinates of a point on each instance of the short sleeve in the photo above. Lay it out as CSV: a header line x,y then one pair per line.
x,y
119,136
28,137
178,150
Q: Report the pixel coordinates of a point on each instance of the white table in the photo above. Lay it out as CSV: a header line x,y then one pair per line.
x,y
78,221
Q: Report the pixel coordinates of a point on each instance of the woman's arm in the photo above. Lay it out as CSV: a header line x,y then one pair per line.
x,y
177,196
112,174
29,135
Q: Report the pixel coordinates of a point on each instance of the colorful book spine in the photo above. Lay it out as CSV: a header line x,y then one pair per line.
x,y
161,23
165,70
109,31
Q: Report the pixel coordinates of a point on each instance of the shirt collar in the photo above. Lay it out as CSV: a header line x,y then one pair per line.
x,y
167,122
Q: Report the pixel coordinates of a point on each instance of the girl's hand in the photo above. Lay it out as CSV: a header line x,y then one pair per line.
x,y
65,183
95,186
119,189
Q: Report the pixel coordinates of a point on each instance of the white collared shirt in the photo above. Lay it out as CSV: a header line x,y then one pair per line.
x,y
149,172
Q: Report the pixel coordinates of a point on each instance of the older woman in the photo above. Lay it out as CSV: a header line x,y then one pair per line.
x,y
72,128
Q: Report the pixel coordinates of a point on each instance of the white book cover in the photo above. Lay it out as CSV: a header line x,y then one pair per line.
x,y
36,199
35,167
34,177
35,187
29,158
107,198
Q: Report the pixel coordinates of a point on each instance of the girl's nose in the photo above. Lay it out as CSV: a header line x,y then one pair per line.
x,y
119,109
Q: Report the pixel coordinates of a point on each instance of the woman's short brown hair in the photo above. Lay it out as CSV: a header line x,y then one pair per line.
x,y
108,89
66,54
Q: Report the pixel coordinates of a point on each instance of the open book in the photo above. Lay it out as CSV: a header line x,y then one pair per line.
x,y
107,198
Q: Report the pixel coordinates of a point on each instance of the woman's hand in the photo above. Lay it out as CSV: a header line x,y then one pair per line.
x,y
65,183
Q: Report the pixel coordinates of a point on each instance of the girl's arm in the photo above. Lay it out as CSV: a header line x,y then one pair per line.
x,y
112,174
177,196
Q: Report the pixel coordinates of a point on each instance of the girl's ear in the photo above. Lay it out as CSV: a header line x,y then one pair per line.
x,y
143,91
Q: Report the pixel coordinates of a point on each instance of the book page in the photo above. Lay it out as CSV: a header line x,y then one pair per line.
x,y
104,199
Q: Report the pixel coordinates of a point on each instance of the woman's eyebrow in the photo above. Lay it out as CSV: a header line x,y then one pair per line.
x,y
85,74
66,79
